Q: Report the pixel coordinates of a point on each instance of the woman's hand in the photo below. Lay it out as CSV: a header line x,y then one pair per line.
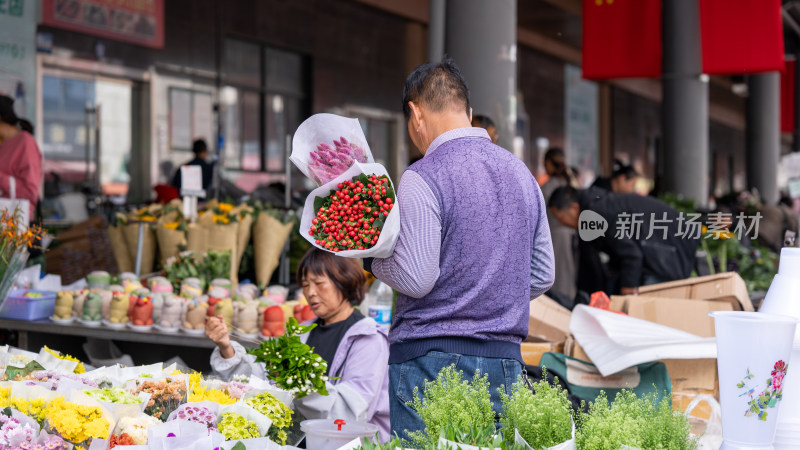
x,y
217,331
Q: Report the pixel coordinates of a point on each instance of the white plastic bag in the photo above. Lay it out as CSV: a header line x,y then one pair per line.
x,y
325,128
566,445
391,228
711,439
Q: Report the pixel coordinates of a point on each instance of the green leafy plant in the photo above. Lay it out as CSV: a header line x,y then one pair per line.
x,y
214,264
483,437
542,416
450,399
291,364
635,422
375,444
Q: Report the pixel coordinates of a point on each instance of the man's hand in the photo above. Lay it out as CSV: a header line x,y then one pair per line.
x,y
626,291
217,331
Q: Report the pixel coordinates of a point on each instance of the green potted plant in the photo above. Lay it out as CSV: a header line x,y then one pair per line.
x,y
540,418
452,400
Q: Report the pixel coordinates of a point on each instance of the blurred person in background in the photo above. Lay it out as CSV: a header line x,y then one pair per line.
x,y
20,158
622,181
200,150
486,123
639,256
560,174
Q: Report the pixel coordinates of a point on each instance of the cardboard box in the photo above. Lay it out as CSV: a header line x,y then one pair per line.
x,y
548,320
532,351
723,287
680,313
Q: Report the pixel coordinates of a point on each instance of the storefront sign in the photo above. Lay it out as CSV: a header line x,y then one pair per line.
x,y
136,21
18,54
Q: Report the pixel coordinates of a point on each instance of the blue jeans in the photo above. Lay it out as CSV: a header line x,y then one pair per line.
x,y
404,377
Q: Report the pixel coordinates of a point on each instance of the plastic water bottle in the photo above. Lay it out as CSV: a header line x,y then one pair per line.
x,y
380,308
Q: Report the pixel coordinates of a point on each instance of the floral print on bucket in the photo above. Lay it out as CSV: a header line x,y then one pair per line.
x,y
769,397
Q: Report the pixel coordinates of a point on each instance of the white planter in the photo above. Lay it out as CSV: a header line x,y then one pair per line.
x,y
752,350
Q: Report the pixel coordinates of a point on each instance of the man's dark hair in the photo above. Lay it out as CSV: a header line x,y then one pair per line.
x,y
483,121
437,86
562,197
199,146
621,169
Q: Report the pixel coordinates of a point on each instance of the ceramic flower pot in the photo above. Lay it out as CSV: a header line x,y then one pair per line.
x,y
752,350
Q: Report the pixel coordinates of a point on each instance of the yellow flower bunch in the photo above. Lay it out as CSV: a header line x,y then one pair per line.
x,y
33,408
221,218
79,369
172,225
225,207
5,397
76,423
201,393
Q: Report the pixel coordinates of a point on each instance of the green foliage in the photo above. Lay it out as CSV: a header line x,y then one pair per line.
x,y
375,444
678,203
214,264
291,364
635,422
452,400
543,418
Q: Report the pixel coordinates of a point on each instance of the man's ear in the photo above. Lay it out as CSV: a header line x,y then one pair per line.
x,y
470,115
416,114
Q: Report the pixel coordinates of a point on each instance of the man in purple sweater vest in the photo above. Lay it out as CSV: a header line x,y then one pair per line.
x,y
474,248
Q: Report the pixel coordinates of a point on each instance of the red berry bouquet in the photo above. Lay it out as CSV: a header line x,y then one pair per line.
x,y
354,212
352,217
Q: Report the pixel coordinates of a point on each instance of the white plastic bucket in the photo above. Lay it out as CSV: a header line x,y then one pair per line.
x,y
326,434
752,350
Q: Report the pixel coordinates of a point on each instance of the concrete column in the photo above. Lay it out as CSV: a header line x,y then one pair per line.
x,y
796,134
685,103
436,26
763,114
481,37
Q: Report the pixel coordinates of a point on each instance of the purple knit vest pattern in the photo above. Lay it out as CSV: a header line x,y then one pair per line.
x,y
487,200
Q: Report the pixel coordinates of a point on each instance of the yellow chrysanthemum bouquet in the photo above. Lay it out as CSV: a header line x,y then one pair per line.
x,y
76,423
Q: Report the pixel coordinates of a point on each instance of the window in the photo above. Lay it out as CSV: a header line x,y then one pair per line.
x,y
264,100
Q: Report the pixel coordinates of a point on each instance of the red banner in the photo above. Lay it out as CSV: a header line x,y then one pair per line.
x,y
136,21
621,38
741,36
787,97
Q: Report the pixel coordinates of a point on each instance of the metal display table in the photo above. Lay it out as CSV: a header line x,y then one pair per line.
x,y
145,347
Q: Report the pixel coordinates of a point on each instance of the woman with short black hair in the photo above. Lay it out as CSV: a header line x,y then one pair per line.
x,y
356,348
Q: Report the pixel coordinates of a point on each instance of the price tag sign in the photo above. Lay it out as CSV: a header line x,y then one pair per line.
x,y
191,178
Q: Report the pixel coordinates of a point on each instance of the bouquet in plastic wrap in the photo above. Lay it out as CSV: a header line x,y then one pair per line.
x,y
165,395
353,212
76,423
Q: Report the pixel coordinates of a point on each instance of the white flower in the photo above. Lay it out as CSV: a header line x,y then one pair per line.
x,y
316,364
